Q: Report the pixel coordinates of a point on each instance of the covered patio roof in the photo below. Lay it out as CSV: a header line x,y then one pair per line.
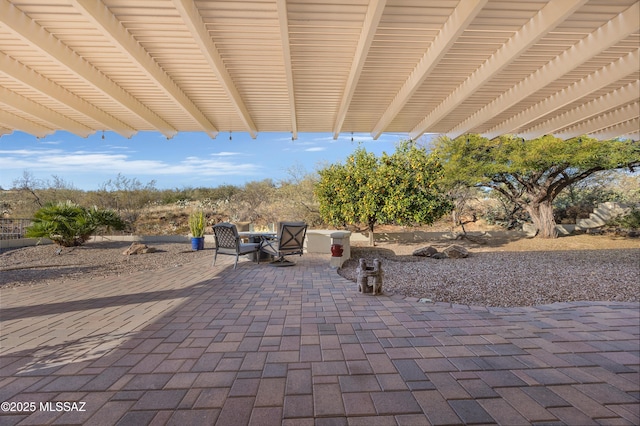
x,y
562,67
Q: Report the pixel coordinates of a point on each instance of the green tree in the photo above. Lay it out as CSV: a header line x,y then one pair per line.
x,y
252,202
295,197
29,184
532,173
410,182
31,193
69,224
126,196
395,189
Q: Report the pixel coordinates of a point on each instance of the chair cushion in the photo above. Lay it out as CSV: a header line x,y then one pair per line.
x,y
269,248
248,247
224,250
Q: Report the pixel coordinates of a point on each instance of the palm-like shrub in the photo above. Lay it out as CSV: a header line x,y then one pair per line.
x,y
69,224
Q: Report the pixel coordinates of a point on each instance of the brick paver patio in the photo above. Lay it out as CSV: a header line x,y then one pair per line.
x,y
195,345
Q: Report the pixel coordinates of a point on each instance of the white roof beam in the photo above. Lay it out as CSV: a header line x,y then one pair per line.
x,y
369,27
552,14
615,99
13,121
194,23
110,27
593,82
603,38
281,6
29,107
38,38
629,129
27,76
455,25
602,122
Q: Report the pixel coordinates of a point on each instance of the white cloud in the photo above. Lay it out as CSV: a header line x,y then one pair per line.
x,y
283,139
301,142
316,149
226,154
28,152
57,161
120,147
325,139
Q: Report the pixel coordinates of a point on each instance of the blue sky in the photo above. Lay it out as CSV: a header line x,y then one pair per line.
x,y
187,160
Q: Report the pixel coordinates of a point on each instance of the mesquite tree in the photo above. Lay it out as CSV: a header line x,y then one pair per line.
x,y
531,173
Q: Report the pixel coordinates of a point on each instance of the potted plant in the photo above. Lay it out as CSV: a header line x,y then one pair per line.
x,y
196,226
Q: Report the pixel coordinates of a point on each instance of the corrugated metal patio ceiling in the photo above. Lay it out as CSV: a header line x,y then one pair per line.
x,y
563,67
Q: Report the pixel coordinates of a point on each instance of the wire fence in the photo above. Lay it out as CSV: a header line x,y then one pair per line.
x,y
13,229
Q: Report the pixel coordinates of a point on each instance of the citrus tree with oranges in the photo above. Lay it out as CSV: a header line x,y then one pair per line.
x,y
399,189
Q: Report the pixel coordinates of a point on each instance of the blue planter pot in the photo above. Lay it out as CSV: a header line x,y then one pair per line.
x,y
197,243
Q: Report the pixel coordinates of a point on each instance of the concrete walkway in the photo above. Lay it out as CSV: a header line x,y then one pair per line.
x,y
196,345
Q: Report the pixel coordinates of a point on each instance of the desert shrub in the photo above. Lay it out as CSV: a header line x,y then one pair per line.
x,y
253,203
630,220
69,224
183,203
499,210
577,201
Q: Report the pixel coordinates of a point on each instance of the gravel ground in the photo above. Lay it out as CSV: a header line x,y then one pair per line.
x,y
501,272
51,264
511,273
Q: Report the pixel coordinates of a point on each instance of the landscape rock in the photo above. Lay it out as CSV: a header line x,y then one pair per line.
x,y
478,239
425,251
137,248
451,236
455,251
530,229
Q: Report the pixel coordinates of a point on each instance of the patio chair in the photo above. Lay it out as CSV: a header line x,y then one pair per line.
x,y
228,242
289,241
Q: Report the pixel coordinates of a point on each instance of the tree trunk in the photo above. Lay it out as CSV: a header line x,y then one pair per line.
x,y
371,239
542,216
455,219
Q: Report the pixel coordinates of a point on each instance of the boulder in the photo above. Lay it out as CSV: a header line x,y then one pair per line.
x,y
425,251
137,248
455,251
530,229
